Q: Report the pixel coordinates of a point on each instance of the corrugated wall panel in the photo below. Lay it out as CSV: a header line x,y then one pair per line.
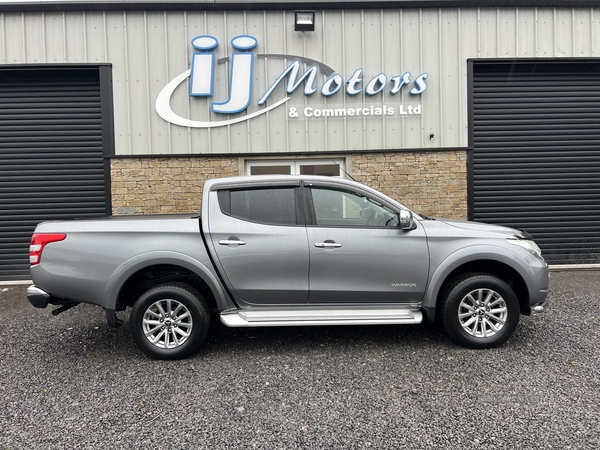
x,y
536,157
334,58
51,157
449,93
148,49
157,56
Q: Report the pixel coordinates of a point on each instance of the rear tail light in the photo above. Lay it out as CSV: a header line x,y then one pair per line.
x,y
38,242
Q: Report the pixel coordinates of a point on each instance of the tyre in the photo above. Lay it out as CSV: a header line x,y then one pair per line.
x,y
169,321
479,311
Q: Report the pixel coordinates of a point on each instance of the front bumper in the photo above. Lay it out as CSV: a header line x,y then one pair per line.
x,y
539,283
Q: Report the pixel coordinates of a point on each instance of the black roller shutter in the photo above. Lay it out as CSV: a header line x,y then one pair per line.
x,y
52,164
535,163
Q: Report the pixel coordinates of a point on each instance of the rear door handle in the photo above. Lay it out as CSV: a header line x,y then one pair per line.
x,y
327,245
231,242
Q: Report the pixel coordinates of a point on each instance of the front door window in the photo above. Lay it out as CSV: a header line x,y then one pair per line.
x,y
344,208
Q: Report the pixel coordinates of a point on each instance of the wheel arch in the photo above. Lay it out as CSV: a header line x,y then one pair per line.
x,y
498,262
150,269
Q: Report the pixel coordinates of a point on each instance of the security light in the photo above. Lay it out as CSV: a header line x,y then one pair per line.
x,y
305,21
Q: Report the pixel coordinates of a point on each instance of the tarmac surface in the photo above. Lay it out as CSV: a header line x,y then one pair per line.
x,y
73,382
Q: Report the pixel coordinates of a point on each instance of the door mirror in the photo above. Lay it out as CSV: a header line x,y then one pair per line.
x,y
406,220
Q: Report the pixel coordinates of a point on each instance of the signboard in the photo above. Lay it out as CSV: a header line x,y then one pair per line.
x,y
302,76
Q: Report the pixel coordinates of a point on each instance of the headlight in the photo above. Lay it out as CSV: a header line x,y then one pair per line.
x,y
528,245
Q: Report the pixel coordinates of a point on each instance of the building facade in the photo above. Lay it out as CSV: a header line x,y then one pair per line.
x,y
488,113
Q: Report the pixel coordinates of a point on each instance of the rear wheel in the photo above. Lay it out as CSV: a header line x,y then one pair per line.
x,y
479,311
169,321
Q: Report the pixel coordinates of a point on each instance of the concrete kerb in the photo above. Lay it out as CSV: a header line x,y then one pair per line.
x,y
573,267
16,283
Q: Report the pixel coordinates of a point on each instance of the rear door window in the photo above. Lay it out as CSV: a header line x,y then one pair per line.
x,y
276,206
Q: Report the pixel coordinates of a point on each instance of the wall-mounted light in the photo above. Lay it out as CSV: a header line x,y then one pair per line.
x,y
305,21
431,136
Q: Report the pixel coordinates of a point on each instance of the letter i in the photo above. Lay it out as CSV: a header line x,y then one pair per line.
x,y
203,66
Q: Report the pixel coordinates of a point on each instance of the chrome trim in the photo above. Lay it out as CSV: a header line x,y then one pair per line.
x,y
276,318
231,242
327,245
406,219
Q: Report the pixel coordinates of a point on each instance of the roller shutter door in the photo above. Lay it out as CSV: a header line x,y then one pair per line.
x,y
535,163
51,155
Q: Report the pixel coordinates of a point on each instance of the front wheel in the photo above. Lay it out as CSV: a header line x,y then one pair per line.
x,y
169,321
479,311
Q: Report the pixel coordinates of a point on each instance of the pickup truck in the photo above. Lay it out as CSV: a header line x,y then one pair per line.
x,y
289,250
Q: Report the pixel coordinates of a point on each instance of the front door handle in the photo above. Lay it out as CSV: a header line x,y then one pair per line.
x,y
327,244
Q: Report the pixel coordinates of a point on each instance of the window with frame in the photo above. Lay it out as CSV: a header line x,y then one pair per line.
x,y
275,206
323,167
334,207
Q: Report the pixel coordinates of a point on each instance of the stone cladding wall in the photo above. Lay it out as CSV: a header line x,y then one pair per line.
x,y
432,183
164,185
429,182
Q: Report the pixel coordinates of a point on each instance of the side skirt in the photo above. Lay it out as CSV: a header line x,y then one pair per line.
x,y
304,317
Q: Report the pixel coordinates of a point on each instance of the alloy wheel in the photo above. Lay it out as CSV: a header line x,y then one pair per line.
x,y
482,313
167,323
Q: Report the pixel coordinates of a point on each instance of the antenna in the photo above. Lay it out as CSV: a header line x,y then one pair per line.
x,y
342,169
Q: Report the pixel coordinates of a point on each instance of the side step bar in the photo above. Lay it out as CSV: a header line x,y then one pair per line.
x,y
279,318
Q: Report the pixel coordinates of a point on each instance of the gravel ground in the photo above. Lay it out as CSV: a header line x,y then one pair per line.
x,y
73,382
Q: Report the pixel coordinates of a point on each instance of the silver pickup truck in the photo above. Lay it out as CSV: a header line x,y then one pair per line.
x,y
290,250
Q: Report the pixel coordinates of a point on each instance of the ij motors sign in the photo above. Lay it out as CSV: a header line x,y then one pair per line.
x,y
201,78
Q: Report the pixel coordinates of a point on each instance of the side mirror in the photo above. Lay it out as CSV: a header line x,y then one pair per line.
x,y
406,220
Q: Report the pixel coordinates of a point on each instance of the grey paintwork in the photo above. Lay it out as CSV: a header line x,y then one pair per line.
x,y
279,267
98,256
453,243
272,265
381,265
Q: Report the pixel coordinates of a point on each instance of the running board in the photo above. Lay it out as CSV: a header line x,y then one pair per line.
x,y
279,318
